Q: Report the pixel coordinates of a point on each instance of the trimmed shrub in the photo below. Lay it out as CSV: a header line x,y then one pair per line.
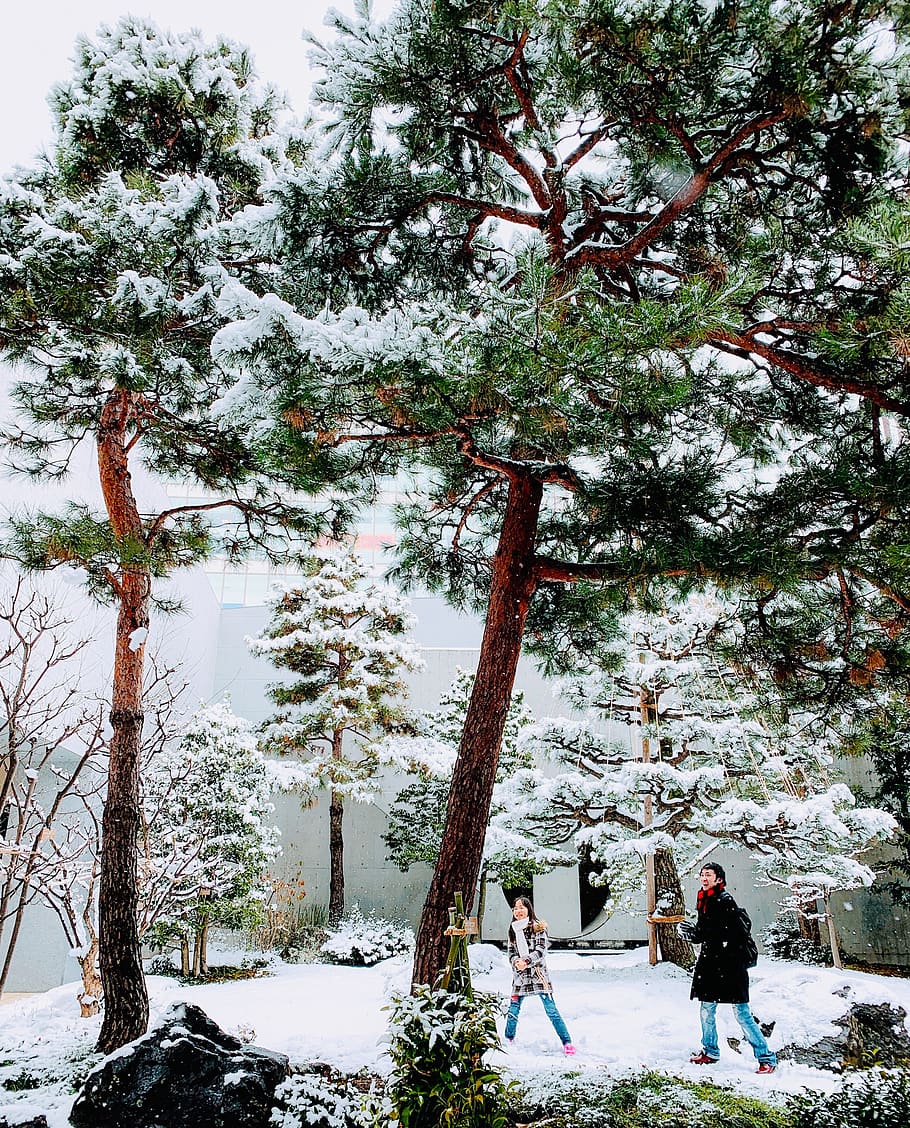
x,y
361,940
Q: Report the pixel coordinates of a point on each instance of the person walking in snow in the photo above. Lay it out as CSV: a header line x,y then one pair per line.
x,y
722,973
528,943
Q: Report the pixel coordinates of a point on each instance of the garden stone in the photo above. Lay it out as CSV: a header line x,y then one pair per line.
x,y
872,1034
38,1121
186,1073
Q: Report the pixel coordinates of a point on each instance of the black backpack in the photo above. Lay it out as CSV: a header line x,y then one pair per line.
x,y
749,947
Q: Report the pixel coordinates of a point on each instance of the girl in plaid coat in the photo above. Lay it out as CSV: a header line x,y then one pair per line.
x,y
528,943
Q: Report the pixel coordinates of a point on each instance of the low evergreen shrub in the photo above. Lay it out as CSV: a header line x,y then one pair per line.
x,y
781,938
878,1098
363,940
644,1100
318,1097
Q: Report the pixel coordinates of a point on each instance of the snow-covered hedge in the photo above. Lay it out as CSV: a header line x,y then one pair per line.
x,y
877,1099
311,1100
364,940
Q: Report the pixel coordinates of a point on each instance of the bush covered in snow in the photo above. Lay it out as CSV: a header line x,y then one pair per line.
x,y
318,1099
643,1100
877,1099
781,938
364,940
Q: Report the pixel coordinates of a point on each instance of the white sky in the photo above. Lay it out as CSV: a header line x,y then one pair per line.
x,y
39,37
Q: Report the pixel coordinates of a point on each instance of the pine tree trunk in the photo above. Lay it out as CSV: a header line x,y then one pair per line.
x,y
126,1007
336,844
471,791
184,955
808,923
671,901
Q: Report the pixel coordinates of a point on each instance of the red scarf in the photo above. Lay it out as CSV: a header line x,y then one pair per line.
x,y
704,894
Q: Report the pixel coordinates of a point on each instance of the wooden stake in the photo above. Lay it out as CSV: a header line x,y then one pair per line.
x,y
832,934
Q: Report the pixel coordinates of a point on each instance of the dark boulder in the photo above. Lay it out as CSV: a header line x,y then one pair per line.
x,y
871,1034
38,1121
186,1073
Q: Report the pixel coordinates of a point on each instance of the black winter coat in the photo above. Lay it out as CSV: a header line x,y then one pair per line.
x,y
720,975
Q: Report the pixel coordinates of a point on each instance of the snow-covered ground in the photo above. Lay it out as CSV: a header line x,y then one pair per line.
x,y
623,1016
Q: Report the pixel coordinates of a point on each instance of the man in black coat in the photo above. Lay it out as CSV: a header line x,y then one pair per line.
x,y
721,974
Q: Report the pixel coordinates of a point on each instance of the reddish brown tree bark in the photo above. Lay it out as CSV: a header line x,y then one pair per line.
x,y
672,902
461,850
126,1005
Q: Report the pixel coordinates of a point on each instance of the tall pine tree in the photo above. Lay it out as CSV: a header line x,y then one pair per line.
x,y
119,255
589,268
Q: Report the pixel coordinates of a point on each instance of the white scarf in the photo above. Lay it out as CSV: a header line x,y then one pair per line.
x,y
521,941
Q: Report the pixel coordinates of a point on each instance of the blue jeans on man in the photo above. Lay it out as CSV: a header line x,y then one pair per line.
x,y
744,1017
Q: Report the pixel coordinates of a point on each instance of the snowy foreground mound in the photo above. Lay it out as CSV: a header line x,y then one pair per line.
x,y
623,1016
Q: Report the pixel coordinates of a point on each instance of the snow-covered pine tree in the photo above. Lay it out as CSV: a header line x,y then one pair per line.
x,y
121,253
344,642
207,834
417,815
587,267
808,843
702,757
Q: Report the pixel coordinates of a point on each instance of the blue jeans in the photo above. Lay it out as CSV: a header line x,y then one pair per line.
x,y
750,1029
552,1014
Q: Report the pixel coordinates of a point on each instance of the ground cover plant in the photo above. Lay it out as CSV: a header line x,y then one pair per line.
x,y
874,1099
641,1100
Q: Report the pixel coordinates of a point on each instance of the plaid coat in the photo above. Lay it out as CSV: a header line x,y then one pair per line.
x,y
535,979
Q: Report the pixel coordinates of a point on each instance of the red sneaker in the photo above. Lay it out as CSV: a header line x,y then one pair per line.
x,y
766,1067
703,1059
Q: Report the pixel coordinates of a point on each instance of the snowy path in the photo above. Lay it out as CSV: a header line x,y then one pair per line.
x,y
623,1015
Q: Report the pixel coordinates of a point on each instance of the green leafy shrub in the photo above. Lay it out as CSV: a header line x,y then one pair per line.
x,y
439,1078
251,967
877,1099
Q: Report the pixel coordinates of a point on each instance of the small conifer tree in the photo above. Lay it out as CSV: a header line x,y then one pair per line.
x,y
207,835
344,644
